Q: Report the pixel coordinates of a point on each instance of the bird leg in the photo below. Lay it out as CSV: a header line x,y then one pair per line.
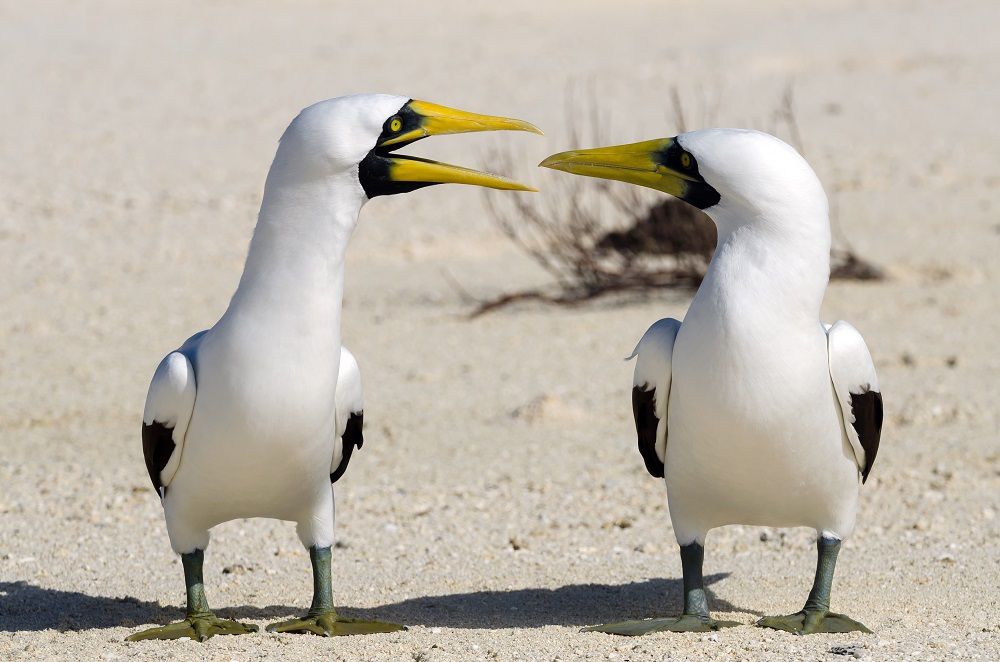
x,y
816,615
322,618
200,623
695,617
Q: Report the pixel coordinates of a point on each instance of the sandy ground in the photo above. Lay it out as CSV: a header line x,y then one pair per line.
x,y
499,503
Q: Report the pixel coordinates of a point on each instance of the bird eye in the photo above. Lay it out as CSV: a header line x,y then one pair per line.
x,y
686,160
395,124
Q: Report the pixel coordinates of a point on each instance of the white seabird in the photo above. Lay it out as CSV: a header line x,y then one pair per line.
x,y
753,410
257,415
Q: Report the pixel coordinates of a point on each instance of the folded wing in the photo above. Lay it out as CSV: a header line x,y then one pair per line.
x,y
165,419
856,384
350,414
650,391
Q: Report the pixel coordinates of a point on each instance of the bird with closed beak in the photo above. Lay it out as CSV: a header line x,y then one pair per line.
x,y
752,410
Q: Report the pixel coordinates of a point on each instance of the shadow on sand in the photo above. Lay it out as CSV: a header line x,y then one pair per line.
x,y
573,605
25,607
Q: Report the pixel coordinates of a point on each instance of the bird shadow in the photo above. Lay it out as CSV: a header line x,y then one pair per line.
x,y
571,605
25,607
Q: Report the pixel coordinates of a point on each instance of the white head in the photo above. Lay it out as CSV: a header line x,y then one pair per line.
x,y
332,137
334,157
759,178
736,176
351,139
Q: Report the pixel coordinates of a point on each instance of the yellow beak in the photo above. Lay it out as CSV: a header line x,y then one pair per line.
x,y
435,120
636,163
386,173
424,171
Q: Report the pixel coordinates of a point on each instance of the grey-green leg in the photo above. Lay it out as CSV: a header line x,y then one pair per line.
x,y
695,617
322,618
816,615
200,623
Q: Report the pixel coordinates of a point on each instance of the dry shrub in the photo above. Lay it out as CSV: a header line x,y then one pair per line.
x,y
596,237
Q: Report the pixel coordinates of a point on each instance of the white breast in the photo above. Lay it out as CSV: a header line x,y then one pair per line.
x,y
754,431
261,437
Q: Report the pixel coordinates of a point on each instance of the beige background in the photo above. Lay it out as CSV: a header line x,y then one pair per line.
x,y
134,140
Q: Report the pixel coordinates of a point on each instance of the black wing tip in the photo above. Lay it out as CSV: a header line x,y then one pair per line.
x,y
157,447
353,438
355,431
646,422
655,468
868,412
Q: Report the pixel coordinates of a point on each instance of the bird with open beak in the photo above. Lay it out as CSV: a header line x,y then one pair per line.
x,y
259,415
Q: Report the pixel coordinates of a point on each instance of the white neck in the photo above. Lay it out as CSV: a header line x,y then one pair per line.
x,y
292,284
778,266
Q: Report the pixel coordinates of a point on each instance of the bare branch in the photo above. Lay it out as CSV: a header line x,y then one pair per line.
x,y
595,237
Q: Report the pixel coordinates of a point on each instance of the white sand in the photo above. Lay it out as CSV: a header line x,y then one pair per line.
x,y
134,145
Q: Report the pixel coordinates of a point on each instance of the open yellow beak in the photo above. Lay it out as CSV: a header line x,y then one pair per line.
x,y
424,171
385,172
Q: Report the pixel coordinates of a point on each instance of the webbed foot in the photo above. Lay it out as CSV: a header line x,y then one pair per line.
x,y
199,628
329,624
685,623
812,622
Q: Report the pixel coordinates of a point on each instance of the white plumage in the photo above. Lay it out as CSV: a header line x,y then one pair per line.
x,y
172,393
853,372
170,402
349,401
752,410
653,356
263,431
753,432
259,415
